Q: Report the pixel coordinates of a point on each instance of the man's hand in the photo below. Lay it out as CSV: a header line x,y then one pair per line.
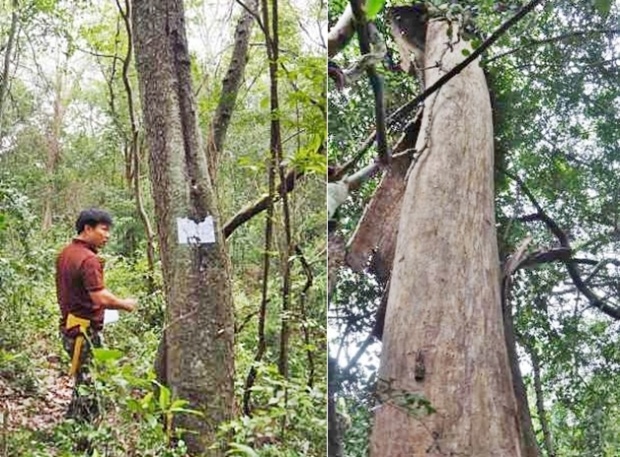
x,y
107,300
129,304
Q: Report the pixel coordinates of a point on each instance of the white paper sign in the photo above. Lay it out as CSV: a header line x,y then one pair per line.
x,y
192,232
110,315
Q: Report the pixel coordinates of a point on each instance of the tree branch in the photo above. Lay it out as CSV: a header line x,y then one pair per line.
x,y
409,106
340,34
261,204
572,268
405,109
230,86
565,36
376,82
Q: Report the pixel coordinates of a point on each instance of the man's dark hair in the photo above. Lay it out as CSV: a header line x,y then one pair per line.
x,y
92,217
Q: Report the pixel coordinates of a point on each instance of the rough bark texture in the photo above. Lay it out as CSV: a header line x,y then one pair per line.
x,y
443,335
199,315
230,86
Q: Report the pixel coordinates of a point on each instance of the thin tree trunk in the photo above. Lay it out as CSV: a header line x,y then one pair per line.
x,y
540,404
529,446
134,148
276,145
4,79
335,433
443,341
53,149
199,314
230,87
262,316
304,313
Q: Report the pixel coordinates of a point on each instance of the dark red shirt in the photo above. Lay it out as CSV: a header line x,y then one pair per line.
x,y
79,271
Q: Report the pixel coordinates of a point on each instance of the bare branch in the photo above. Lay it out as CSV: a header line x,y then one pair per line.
x,y
563,37
572,268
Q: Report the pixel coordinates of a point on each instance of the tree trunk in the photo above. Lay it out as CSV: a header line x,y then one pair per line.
x,y
53,147
199,313
135,149
4,77
529,446
230,86
443,337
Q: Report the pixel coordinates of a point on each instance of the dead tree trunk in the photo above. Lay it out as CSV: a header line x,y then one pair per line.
x,y
199,313
443,340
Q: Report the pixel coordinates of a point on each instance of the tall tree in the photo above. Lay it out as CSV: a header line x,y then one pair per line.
x,y
551,94
443,337
199,313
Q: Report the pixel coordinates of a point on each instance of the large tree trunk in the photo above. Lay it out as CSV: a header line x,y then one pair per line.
x,y
199,314
443,336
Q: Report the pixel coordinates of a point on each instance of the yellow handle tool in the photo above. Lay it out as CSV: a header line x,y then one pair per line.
x,y
73,321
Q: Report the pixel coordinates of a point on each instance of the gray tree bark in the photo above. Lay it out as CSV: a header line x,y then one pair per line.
x,y
230,86
443,339
199,314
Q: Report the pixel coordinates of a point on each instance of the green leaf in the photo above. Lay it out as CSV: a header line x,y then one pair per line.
x,y
466,52
373,7
164,397
105,355
241,449
603,7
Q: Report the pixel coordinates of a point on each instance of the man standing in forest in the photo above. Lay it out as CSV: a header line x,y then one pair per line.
x,y
83,298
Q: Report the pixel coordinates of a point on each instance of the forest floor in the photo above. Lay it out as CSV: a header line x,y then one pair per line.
x,y
36,398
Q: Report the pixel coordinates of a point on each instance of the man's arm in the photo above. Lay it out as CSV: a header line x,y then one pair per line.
x,y
107,300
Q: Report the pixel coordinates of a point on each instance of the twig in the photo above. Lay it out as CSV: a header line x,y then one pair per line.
x,y
532,43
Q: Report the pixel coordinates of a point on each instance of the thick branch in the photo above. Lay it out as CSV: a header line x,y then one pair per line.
x,y
572,268
230,86
261,204
406,109
340,34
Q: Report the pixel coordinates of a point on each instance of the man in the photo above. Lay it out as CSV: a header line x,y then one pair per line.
x,y
83,298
